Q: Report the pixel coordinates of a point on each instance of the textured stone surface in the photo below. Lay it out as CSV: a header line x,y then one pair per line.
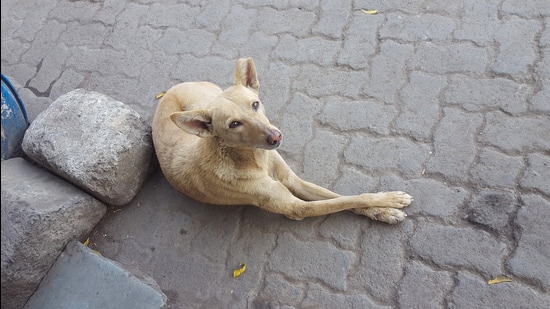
x,y
449,247
423,287
80,269
40,214
531,256
446,100
98,144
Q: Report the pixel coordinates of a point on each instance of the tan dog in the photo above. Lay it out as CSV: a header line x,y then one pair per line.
x,y
218,147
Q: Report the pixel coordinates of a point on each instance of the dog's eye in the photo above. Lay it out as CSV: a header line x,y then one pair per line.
x,y
235,124
255,105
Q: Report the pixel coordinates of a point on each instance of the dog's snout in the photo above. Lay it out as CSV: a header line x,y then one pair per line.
x,y
274,138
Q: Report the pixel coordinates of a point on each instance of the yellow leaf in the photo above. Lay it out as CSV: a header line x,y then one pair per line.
x,y
239,271
160,95
86,242
370,12
499,279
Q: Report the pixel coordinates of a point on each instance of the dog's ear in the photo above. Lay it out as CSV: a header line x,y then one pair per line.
x,y
246,75
197,122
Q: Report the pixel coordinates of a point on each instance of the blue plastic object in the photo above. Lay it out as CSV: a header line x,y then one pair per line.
x,y
14,120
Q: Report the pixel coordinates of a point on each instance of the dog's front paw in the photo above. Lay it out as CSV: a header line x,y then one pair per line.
x,y
388,215
397,199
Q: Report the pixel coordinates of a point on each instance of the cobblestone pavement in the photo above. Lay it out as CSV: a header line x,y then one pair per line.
x,y
447,100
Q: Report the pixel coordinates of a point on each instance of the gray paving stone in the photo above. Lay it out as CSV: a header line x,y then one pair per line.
x,y
126,25
305,260
540,100
40,214
46,39
175,16
292,21
480,20
387,72
323,151
537,174
197,42
492,208
236,24
318,81
471,292
516,39
530,260
483,94
387,154
372,116
212,14
444,7
360,40
543,67
458,247
423,287
298,125
353,182
527,9
420,110
412,28
279,289
381,258
514,134
496,169
431,197
545,37
332,18
315,50
454,144
108,12
343,228
108,151
318,297
275,90
389,5
449,58
80,269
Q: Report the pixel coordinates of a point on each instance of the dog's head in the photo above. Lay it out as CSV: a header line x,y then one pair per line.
x,y
237,118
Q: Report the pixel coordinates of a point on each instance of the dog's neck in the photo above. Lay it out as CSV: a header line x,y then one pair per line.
x,y
243,158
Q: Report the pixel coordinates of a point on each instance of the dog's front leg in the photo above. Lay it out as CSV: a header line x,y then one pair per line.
x,y
300,188
273,196
311,192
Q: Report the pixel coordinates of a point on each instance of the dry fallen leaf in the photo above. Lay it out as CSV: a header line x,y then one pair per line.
x,y
370,12
87,242
160,95
239,271
499,279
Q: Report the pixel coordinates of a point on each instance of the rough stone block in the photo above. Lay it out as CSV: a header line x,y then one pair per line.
x,y
98,144
41,213
81,278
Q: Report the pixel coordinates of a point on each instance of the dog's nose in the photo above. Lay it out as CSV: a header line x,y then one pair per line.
x,y
274,138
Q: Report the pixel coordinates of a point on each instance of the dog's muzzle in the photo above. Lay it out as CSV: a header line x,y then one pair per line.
x,y
274,138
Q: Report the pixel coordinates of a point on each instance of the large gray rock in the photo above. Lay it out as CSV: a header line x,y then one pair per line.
x,y
41,213
81,278
95,142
